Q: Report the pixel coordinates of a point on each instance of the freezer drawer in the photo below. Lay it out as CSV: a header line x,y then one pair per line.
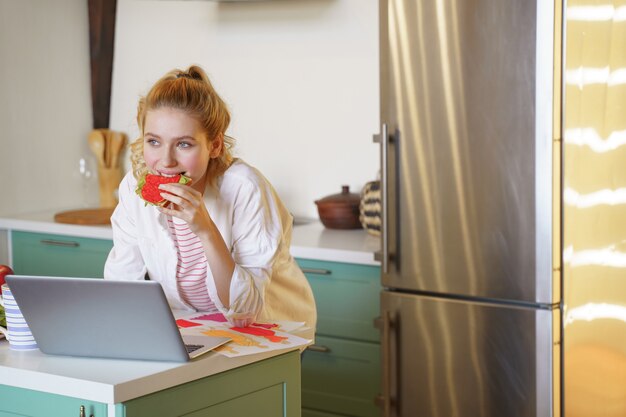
x,y
444,357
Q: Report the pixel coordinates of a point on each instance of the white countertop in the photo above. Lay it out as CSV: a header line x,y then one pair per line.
x,y
108,380
310,241
43,222
314,241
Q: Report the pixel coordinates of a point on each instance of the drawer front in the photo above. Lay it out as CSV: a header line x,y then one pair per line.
x,y
347,298
341,376
55,255
24,402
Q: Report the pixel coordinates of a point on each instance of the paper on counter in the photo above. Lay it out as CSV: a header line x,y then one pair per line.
x,y
256,338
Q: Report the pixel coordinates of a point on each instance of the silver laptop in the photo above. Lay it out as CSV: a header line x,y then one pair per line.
x,y
104,318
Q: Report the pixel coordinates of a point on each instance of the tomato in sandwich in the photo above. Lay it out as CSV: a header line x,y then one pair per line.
x,y
148,187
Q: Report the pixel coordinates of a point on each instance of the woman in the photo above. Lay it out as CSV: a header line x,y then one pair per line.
x,y
221,241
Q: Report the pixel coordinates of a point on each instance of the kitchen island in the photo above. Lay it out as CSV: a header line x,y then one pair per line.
x,y
35,384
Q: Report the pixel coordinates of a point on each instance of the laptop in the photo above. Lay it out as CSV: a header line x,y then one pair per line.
x,y
103,318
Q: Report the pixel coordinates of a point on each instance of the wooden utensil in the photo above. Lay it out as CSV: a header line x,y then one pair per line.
x,y
107,147
96,144
108,180
118,141
109,175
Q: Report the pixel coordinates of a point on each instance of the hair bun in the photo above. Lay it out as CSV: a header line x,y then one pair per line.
x,y
184,75
193,73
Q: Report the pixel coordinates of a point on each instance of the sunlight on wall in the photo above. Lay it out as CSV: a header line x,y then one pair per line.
x,y
594,203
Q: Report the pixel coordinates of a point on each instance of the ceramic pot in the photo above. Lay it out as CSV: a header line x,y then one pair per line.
x,y
340,211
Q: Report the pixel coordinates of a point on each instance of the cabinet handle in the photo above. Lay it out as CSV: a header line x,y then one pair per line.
x,y
81,412
60,243
318,348
317,271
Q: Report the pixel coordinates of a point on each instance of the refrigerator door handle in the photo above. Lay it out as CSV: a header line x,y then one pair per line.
x,y
384,400
383,139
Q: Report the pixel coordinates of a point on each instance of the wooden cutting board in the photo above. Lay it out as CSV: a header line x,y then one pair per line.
x,y
85,216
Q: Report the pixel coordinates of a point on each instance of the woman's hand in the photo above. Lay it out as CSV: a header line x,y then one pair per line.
x,y
188,205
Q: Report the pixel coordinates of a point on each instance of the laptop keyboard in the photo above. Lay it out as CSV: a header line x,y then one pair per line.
x,y
192,348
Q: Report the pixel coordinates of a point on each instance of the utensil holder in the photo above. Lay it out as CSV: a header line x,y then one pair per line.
x,y
109,180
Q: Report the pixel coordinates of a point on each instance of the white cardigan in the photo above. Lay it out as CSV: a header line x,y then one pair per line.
x,y
267,284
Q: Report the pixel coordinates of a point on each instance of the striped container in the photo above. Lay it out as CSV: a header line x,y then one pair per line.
x,y
370,207
18,332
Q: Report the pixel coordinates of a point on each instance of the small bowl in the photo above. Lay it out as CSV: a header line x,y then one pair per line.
x,y
340,211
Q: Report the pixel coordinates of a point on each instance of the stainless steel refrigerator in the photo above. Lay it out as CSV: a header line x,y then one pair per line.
x,y
503,147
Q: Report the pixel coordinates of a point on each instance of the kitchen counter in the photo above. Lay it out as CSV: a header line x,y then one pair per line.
x,y
310,241
34,385
108,380
314,241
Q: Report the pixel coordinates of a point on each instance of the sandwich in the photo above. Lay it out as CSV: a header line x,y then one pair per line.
x,y
148,187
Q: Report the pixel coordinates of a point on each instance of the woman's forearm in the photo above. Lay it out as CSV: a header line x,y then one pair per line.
x,y
220,262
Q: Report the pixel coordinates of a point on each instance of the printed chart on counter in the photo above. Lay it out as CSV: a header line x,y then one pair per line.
x,y
256,338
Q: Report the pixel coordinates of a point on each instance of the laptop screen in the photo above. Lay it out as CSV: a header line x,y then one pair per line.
x,y
100,318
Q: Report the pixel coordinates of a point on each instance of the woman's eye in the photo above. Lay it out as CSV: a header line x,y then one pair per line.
x,y
152,142
184,145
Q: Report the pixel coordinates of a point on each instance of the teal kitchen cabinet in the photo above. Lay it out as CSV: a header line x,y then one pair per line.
x,y
58,255
270,387
24,402
341,371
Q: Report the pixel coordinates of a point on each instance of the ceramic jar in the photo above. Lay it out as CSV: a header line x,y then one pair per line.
x,y
340,211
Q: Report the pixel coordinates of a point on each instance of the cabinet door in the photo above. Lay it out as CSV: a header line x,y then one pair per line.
x,y
347,297
21,402
341,376
55,255
267,388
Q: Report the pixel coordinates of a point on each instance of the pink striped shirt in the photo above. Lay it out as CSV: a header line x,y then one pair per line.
x,y
191,270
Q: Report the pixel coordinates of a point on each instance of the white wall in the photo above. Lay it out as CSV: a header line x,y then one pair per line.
x,y
300,77
45,104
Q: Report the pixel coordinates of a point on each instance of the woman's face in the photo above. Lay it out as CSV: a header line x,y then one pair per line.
x,y
175,143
